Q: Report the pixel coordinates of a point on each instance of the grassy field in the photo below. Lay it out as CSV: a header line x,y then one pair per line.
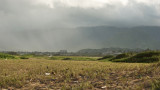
x,y
45,74
74,58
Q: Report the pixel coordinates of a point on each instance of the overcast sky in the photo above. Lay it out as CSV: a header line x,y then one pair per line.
x,y
50,25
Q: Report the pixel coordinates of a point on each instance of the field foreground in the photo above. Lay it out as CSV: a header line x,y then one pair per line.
x,y
41,74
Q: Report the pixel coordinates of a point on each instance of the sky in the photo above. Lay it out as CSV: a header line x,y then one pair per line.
x,y
52,25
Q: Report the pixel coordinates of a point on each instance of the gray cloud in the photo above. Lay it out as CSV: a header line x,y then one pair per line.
x,y
52,25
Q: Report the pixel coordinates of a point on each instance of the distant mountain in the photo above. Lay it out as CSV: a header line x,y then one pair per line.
x,y
133,37
74,39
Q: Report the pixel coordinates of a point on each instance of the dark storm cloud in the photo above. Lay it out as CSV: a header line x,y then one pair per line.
x,y
51,25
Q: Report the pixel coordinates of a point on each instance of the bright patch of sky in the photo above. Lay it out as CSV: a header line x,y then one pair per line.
x,y
92,3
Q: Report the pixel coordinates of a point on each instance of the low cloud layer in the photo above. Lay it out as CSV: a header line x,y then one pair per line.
x,y
51,25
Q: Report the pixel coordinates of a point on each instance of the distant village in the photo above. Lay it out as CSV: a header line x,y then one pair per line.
x,y
83,52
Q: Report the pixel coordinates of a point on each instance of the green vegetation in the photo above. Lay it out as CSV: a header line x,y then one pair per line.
x,y
124,55
24,57
156,84
76,58
139,60
6,56
106,57
144,57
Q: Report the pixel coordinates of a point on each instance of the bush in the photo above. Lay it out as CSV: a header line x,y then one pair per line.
x,y
145,57
124,55
66,58
136,60
121,57
106,57
6,56
24,57
147,54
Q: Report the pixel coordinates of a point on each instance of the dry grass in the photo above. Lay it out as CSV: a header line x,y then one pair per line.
x,y
77,75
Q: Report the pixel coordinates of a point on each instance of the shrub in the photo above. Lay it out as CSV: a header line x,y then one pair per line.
x,y
106,57
136,60
147,54
24,57
144,57
6,56
121,57
124,55
66,58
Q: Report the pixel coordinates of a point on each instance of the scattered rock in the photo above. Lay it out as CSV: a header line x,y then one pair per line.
x,y
104,87
47,74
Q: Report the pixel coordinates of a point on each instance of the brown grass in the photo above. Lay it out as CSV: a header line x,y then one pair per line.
x,y
77,75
